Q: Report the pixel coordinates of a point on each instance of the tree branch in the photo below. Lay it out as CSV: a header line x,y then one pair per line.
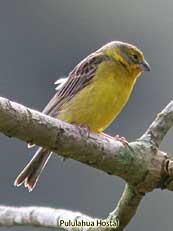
x,y
160,126
38,216
129,201
141,164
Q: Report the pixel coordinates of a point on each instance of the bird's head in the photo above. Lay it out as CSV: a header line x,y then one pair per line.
x,y
128,55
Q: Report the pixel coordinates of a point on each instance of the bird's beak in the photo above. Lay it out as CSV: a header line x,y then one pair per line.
x,y
145,66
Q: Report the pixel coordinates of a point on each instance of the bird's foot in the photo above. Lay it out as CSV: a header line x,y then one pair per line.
x,y
117,138
108,136
121,139
84,129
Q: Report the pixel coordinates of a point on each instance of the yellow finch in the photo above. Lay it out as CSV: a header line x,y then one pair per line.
x,y
93,95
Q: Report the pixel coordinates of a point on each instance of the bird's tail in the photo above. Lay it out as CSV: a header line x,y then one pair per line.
x,y
30,174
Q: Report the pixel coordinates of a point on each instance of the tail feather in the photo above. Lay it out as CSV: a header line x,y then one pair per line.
x,y
30,174
30,145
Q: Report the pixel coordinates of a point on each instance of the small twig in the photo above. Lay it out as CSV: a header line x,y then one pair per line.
x,y
160,126
129,201
38,216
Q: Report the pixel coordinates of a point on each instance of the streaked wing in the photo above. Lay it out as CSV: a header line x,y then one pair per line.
x,y
77,80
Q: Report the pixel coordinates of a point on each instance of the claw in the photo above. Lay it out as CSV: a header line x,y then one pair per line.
x,y
85,129
117,138
121,139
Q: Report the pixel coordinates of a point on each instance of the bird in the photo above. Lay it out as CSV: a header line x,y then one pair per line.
x,y
92,95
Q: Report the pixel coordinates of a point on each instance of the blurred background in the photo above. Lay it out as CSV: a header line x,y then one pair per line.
x,y
41,41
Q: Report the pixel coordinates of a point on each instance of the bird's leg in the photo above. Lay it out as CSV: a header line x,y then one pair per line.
x,y
121,139
106,135
85,129
117,138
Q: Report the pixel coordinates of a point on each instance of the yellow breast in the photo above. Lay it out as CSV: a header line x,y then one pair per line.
x,y
98,104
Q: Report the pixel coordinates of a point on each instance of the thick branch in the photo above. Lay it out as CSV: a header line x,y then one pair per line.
x,y
140,163
71,141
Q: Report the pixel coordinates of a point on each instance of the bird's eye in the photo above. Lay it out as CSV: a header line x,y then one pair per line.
x,y
135,57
